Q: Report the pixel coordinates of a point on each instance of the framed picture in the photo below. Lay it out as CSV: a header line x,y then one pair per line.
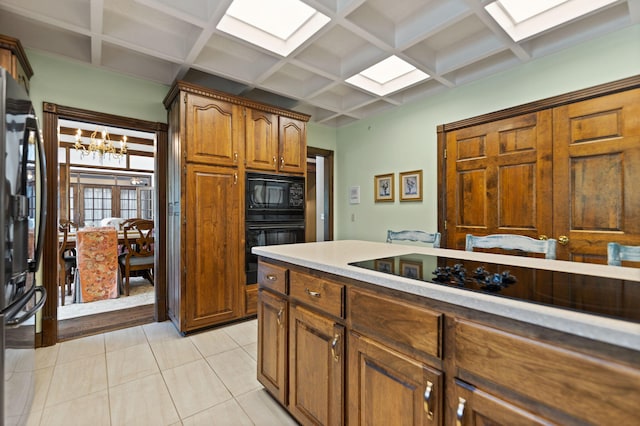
x,y
384,265
411,269
384,185
411,186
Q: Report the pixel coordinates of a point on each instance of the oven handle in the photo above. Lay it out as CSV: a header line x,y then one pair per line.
x,y
274,226
261,179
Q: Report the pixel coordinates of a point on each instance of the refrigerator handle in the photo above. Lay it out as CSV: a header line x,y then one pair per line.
x,y
14,322
32,124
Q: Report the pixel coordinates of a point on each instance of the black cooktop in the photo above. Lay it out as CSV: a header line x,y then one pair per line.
x,y
595,295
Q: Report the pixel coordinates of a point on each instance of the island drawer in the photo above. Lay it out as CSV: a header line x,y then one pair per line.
x,y
594,390
395,322
273,277
325,295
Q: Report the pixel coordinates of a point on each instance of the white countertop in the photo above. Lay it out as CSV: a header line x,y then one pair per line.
x,y
334,256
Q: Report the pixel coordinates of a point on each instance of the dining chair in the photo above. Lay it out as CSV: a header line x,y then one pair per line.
x,y
616,253
97,275
417,236
67,261
139,250
513,242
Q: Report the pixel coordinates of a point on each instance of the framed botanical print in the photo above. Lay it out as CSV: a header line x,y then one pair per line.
x,y
384,185
411,269
411,186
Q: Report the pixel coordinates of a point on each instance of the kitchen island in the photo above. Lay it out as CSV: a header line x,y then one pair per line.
x,y
344,340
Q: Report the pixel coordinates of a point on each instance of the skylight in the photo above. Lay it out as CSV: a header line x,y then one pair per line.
x,y
523,19
388,76
279,26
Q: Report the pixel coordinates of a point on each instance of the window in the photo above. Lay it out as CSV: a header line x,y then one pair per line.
x,y
97,203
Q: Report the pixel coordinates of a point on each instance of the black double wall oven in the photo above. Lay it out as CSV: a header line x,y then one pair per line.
x,y
274,206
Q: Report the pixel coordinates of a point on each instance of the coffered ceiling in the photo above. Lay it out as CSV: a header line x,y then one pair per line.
x,y
453,41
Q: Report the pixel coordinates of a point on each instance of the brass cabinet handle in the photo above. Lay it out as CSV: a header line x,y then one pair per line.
x,y
235,178
428,391
281,161
275,160
543,237
312,293
334,345
460,411
271,277
235,157
563,239
279,318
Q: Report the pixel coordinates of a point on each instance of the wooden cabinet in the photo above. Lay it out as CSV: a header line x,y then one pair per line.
x,y
210,134
316,368
387,387
261,140
14,59
273,349
474,407
416,361
394,361
214,130
276,144
212,243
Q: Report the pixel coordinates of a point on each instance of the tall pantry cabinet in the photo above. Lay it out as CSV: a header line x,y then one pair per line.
x,y
214,139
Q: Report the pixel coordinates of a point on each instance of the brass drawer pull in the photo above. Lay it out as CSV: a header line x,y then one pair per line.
x,y
428,391
312,293
460,411
271,277
334,345
279,318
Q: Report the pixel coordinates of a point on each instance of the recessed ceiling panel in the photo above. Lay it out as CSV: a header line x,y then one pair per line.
x,y
136,64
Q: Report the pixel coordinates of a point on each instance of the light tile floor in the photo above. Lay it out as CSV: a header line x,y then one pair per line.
x,y
150,375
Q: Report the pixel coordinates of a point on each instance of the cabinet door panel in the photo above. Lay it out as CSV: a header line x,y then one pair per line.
x,y
477,408
214,129
498,178
212,257
292,145
316,368
272,344
261,140
386,387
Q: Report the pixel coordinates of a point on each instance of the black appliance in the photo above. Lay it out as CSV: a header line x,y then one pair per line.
x,y
21,298
563,290
274,214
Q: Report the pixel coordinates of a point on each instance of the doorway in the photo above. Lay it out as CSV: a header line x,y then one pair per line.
x,y
56,117
319,203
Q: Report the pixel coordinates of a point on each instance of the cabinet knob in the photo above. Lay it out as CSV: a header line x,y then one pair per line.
x,y
428,392
271,277
543,237
460,411
563,239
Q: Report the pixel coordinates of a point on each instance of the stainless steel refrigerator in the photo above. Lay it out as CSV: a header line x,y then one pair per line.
x,y
22,198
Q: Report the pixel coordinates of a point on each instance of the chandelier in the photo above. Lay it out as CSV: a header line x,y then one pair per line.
x,y
101,145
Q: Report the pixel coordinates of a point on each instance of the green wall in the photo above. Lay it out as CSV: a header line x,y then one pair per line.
x,y
404,139
80,85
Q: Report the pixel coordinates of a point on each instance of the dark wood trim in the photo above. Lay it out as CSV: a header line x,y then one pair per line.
x,y
51,114
160,271
442,183
552,102
183,86
107,321
328,169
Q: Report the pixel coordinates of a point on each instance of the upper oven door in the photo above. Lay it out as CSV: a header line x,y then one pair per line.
x,y
269,195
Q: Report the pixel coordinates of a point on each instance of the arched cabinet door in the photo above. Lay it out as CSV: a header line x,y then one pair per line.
x,y
292,145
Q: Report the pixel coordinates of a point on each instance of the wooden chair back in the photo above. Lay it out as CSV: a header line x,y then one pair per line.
x,y
139,249
617,253
417,236
513,242
66,258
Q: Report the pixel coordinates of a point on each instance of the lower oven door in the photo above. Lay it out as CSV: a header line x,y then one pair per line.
x,y
266,234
